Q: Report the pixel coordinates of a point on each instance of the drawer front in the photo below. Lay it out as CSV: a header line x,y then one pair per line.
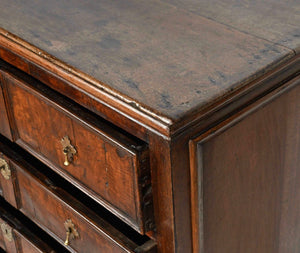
x,y
16,237
7,180
4,123
7,237
102,162
2,242
62,216
27,245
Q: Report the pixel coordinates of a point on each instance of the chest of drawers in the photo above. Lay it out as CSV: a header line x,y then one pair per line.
x,y
150,126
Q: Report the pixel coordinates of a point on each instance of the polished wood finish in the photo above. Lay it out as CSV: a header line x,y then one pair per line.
x,y
244,172
121,164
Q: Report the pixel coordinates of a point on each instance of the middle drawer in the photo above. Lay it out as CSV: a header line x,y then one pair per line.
x,y
107,164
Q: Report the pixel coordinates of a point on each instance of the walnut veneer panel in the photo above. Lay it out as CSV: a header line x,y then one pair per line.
x,y
50,206
250,176
161,56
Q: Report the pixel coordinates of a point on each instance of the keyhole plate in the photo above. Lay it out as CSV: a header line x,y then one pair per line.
x,y
71,231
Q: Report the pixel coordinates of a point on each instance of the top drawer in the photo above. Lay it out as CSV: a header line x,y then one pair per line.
x,y
111,167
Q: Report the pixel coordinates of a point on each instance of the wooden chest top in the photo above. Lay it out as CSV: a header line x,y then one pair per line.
x,y
167,59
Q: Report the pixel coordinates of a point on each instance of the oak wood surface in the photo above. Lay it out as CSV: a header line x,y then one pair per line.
x,y
166,59
112,170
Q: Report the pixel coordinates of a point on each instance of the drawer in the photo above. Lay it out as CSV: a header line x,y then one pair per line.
x,y
4,123
109,165
15,236
61,215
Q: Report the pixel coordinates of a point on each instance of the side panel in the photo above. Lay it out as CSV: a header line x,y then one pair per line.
x,y
245,180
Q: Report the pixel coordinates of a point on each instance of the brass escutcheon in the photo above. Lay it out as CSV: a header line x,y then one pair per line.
x,y
71,231
5,171
7,232
68,150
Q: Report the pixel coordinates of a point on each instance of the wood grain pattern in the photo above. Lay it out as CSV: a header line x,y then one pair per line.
x,y
132,119
27,245
276,21
108,168
4,123
248,188
135,122
161,173
50,213
165,72
10,246
25,238
8,186
50,206
149,62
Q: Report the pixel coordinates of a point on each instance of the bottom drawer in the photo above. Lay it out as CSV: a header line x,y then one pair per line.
x,y
56,211
15,236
